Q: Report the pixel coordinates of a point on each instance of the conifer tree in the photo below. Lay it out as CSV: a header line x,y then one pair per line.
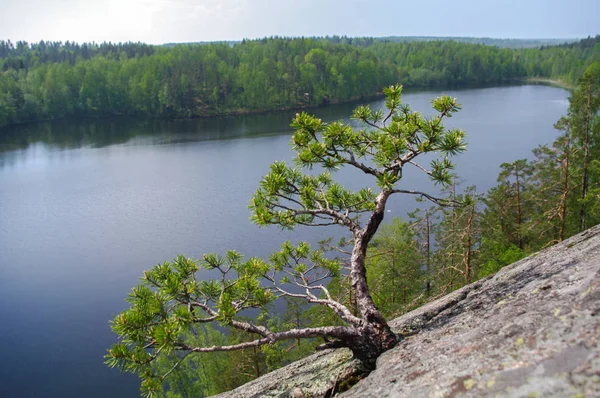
x,y
553,190
458,236
583,112
556,195
171,301
514,182
423,222
394,269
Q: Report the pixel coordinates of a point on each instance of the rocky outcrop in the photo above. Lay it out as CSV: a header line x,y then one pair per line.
x,y
531,330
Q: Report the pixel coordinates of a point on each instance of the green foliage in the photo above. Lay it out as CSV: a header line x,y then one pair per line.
x,y
166,305
458,236
170,305
395,268
49,80
197,375
495,255
555,195
206,374
381,151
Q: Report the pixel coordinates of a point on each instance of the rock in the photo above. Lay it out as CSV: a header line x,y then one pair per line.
x,y
531,330
315,376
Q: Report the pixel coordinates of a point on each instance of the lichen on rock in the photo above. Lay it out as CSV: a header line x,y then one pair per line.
x,y
319,375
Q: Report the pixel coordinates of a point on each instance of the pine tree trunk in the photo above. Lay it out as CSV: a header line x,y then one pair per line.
x,y
427,254
375,335
563,203
453,229
256,362
468,247
586,154
519,237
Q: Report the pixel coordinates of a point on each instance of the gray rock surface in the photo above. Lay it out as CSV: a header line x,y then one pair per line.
x,y
531,330
314,376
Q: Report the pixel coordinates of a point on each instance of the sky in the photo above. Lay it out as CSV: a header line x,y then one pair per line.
x,y
177,21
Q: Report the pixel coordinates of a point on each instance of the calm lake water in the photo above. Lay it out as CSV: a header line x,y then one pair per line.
x,y
86,206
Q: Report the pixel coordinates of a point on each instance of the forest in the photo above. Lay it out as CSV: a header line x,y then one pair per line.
x,y
52,80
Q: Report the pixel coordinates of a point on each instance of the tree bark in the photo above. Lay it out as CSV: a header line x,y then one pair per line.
x,y
374,336
586,155
519,237
468,247
563,203
427,254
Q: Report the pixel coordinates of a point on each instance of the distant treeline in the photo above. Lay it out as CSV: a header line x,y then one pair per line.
x,y
367,41
488,41
49,80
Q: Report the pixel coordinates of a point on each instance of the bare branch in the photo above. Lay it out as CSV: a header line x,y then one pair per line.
x,y
339,309
343,219
176,365
423,169
438,201
361,166
341,332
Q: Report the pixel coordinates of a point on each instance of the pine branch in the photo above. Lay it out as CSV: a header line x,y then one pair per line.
x,y
340,332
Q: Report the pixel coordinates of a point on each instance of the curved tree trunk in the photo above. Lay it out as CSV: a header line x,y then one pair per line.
x,y
375,336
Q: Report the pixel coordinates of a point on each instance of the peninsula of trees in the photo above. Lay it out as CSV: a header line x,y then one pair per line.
x,y
49,80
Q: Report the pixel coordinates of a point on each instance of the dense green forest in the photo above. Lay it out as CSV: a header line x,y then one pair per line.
x,y
49,80
433,251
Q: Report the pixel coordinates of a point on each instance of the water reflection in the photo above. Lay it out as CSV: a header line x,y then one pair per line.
x,y
98,133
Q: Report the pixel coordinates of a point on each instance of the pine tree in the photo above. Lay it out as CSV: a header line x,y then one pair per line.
x,y
171,302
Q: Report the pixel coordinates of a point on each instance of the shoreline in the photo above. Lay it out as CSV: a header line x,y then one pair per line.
x,y
245,112
550,82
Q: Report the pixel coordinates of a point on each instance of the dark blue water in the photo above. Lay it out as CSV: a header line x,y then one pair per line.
x,y
86,206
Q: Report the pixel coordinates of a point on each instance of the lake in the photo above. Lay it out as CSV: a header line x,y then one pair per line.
x,y
87,205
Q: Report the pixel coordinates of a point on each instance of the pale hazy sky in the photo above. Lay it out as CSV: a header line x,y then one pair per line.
x,y
162,21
